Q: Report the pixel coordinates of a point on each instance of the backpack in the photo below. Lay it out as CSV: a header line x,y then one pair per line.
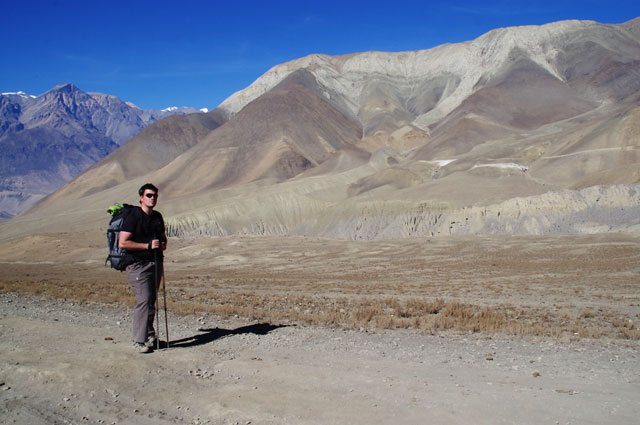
x,y
118,257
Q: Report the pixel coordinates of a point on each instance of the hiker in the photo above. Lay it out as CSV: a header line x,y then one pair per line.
x,y
143,236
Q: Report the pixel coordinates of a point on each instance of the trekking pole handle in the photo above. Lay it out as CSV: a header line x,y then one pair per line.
x,y
154,246
151,244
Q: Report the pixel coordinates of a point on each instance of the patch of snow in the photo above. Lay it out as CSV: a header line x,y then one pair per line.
x,y
20,93
443,162
503,165
170,109
204,110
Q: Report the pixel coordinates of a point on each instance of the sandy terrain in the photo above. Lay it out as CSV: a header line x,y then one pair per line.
x,y
558,341
55,369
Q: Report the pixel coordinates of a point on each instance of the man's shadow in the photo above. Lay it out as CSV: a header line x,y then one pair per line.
x,y
209,335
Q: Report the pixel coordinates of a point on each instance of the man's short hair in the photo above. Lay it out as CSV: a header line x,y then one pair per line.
x,y
148,186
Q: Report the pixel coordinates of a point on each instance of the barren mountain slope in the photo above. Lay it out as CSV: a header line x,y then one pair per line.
x,y
277,136
537,120
384,145
152,148
509,84
521,98
429,84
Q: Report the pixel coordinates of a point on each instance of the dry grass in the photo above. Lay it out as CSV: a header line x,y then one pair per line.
x,y
575,287
430,316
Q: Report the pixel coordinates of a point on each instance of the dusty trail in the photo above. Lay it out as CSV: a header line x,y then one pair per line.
x,y
64,363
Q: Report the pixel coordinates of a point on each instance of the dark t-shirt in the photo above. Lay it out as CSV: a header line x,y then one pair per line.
x,y
144,228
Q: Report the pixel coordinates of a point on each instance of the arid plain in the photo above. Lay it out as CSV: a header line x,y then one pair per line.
x,y
573,286
305,330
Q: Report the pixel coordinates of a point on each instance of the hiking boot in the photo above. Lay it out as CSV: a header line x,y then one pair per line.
x,y
141,348
151,341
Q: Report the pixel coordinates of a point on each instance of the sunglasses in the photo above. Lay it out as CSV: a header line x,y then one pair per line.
x,y
151,195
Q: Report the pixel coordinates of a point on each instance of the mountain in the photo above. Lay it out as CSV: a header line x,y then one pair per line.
x,y
279,135
152,148
49,139
523,130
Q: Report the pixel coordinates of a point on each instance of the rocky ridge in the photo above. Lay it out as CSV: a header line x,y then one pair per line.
x,y
48,140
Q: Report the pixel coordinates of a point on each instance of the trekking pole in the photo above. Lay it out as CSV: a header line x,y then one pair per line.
x,y
166,321
156,282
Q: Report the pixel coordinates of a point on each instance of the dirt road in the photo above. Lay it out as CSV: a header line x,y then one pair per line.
x,y
66,363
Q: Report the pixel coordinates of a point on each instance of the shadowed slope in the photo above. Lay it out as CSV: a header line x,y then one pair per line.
x,y
520,98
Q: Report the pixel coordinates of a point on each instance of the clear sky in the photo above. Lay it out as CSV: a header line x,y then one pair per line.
x,y
161,53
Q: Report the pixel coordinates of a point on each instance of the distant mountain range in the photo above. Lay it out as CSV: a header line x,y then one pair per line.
x,y
49,139
523,130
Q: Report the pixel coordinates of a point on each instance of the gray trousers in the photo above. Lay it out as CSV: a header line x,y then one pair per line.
x,y
141,277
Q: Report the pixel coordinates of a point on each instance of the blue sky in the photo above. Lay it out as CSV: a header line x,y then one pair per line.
x,y
197,53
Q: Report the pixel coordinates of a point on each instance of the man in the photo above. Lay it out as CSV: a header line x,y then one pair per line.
x,y
143,236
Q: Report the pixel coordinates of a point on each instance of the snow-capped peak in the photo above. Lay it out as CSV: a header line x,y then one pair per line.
x,y
21,94
184,109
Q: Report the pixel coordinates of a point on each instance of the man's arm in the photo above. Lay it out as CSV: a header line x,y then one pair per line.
x,y
163,237
125,242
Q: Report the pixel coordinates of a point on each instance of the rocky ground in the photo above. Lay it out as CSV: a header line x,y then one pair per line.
x,y
63,362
